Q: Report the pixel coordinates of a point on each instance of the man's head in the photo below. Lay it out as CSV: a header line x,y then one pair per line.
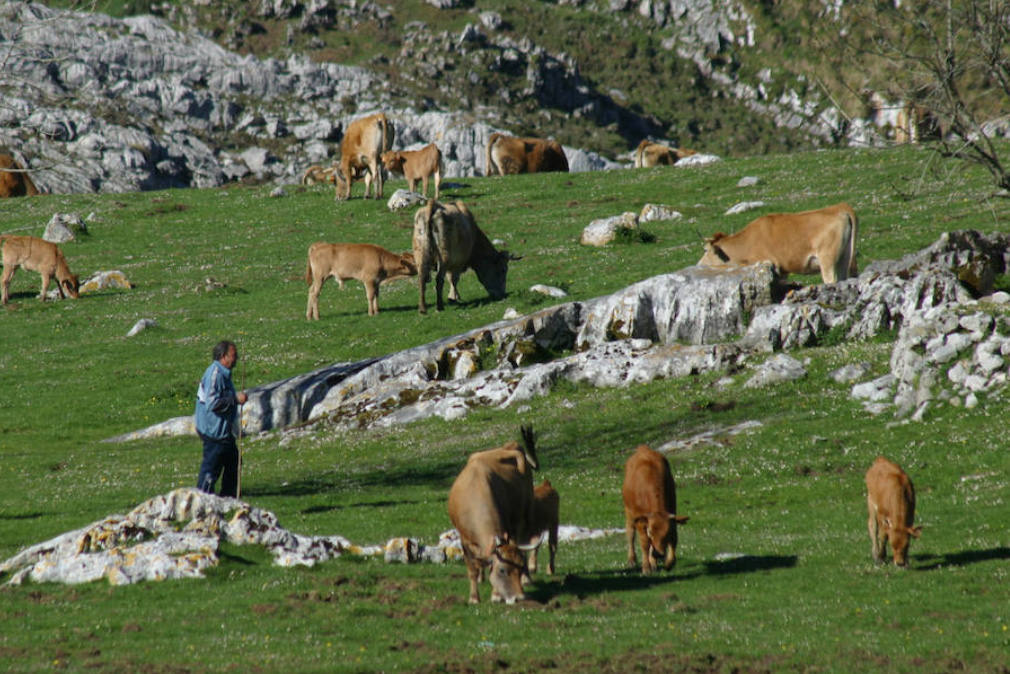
x,y
226,353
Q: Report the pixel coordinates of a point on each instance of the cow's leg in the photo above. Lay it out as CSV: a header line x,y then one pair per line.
x,y
648,566
372,293
410,185
312,309
473,571
438,184
9,270
45,286
439,286
377,177
552,542
453,280
423,272
629,532
876,542
531,560
424,186
671,554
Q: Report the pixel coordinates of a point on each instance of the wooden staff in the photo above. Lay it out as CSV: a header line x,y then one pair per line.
x,y
238,485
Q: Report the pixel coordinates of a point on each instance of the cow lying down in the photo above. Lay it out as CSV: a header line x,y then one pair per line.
x,y
35,254
366,262
822,240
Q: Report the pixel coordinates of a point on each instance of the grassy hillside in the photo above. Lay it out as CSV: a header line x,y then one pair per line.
x,y
787,496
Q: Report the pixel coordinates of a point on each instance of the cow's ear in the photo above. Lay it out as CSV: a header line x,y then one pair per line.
x,y
679,519
510,256
915,531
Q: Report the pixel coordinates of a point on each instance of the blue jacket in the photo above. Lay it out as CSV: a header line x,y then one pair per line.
x,y
216,404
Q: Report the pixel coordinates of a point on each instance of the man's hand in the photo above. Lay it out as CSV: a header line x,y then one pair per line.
x,y
241,397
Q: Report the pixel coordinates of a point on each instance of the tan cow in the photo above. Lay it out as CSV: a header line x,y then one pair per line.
x,y
650,508
315,175
649,154
366,262
508,156
364,142
14,180
416,165
546,504
491,506
35,254
448,241
822,240
890,500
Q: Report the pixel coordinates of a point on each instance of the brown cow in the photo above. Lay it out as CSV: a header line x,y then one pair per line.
x,y
416,164
650,508
317,174
823,240
366,262
890,500
508,156
546,503
447,239
35,254
363,143
14,180
491,506
649,154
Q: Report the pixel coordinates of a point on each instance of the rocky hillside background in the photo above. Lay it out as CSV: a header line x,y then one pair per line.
x,y
198,93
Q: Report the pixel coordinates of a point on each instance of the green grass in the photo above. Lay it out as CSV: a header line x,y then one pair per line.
x,y
788,495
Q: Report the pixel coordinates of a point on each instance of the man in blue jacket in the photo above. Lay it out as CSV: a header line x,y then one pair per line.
x,y
216,420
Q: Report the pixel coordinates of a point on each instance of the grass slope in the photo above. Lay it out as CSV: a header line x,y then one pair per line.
x,y
787,496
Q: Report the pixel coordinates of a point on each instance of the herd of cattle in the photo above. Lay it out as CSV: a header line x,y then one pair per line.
x,y
493,503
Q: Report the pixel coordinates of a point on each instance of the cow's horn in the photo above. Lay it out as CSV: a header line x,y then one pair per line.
x,y
529,445
532,545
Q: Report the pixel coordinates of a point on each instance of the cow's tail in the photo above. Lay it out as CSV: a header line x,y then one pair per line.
x,y
489,169
851,228
308,269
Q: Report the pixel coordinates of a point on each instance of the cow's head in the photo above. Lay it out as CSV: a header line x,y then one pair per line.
x,y
407,265
661,528
492,271
71,285
342,182
508,564
898,535
714,254
393,161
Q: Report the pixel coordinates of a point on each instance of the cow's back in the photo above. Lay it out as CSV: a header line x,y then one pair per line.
x,y
492,496
890,490
648,483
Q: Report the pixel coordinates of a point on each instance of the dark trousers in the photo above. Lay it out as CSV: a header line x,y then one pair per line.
x,y
219,455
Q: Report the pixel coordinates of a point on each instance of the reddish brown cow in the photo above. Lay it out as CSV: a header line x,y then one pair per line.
x,y
366,262
890,499
823,240
448,240
363,143
14,180
35,254
649,154
508,156
491,506
416,165
546,504
650,508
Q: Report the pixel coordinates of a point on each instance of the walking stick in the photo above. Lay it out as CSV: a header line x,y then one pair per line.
x,y
238,484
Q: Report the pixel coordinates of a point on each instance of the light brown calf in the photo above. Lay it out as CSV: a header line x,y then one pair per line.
x,y
890,500
366,262
650,507
546,503
315,175
822,240
35,254
416,165
649,154
14,180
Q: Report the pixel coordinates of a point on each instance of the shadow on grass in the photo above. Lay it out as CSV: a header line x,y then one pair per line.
x,y
932,562
619,580
440,475
23,516
375,504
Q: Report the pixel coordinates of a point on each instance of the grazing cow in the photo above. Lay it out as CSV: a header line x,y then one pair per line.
x,y
363,143
649,154
796,243
35,254
317,174
447,239
890,499
416,164
546,503
14,180
650,508
491,506
507,155
366,262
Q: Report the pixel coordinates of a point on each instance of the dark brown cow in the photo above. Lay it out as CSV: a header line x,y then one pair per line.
x,y
650,508
366,262
36,254
416,165
14,180
546,504
890,500
508,156
447,239
823,240
363,143
649,154
491,506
